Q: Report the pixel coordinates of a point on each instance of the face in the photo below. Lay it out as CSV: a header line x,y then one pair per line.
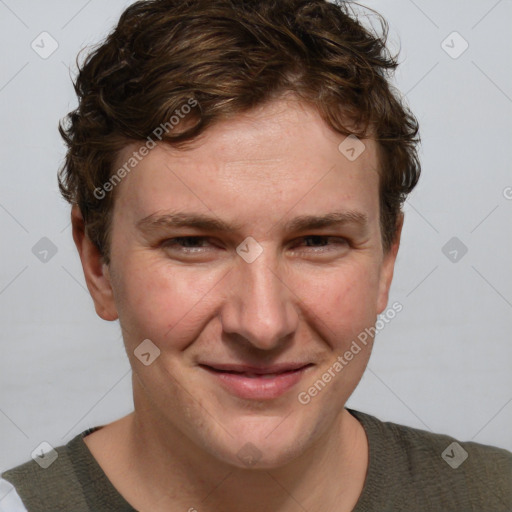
x,y
251,261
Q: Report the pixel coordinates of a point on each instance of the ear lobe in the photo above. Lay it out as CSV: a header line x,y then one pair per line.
x,y
96,272
388,267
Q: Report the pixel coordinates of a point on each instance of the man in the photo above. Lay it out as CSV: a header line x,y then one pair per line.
x,y
236,171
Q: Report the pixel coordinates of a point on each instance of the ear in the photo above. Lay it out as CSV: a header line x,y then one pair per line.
x,y
388,266
96,272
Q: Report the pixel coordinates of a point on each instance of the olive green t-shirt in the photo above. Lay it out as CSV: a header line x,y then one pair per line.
x,y
409,470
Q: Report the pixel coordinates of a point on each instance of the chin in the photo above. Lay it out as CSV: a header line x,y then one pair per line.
x,y
262,443
252,457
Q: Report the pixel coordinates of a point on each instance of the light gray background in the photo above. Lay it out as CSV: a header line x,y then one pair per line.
x,y
443,364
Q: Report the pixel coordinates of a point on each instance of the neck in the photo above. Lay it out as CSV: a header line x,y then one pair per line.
x,y
173,473
156,467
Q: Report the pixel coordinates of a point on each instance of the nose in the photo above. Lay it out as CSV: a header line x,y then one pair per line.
x,y
259,305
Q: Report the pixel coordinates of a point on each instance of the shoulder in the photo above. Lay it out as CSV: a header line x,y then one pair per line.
x,y
48,481
437,469
10,500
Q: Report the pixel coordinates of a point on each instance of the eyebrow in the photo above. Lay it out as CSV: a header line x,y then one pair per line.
x,y
206,223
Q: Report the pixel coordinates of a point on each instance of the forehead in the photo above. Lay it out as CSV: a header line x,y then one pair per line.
x,y
264,160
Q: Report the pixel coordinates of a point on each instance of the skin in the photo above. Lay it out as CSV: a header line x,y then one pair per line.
x,y
302,300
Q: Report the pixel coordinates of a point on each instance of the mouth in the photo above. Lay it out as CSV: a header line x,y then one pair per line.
x,y
257,383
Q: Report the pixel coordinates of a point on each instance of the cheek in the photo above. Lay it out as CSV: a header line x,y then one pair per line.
x,y
157,301
346,301
345,305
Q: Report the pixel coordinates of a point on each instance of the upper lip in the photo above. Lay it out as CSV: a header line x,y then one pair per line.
x,y
258,370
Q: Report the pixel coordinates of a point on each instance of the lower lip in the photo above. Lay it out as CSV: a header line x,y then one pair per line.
x,y
258,388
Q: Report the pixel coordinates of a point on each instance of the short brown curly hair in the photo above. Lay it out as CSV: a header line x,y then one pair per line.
x,y
230,56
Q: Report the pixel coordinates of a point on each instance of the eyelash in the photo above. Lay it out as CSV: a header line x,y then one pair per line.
x,y
173,242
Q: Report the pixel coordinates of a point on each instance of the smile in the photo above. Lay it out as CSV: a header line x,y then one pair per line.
x,y
252,383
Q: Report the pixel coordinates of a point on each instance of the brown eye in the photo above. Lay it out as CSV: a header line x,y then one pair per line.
x,y
321,241
189,243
